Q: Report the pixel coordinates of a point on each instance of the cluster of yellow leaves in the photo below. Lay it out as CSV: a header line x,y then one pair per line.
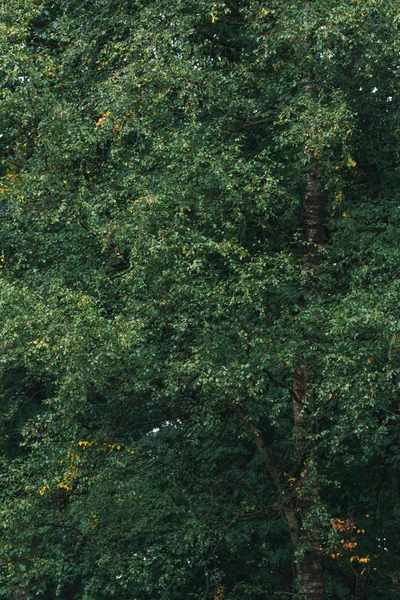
x,y
214,17
85,444
339,198
75,461
347,526
366,559
343,525
351,162
102,119
66,482
44,489
348,545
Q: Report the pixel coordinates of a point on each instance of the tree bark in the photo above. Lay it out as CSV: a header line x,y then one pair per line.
x,y
310,576
309,562
306,545
309,559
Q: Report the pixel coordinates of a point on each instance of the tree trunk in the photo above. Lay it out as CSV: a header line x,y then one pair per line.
x,y
310,576
309,562
309,556
306,545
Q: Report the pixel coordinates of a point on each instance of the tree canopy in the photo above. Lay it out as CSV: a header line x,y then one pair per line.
x,y
199,300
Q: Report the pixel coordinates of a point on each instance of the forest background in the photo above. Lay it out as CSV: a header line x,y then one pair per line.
x,y
199,300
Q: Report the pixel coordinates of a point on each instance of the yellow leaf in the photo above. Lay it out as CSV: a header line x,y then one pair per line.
x,y
44,489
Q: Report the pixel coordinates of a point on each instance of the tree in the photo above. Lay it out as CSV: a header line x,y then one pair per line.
x,y
199,300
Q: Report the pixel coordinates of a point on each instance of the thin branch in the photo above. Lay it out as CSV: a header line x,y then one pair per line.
x,y
287,505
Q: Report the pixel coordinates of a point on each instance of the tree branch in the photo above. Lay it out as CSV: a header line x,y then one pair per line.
x,y
287,505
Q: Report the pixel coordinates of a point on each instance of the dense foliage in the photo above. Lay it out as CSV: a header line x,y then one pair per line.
x,y
199,299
